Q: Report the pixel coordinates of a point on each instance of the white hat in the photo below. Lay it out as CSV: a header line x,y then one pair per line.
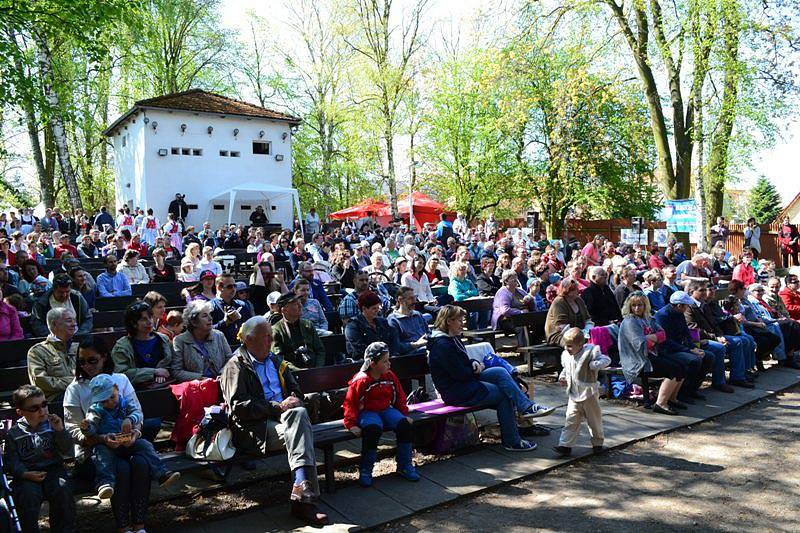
x,y
273,297
680,297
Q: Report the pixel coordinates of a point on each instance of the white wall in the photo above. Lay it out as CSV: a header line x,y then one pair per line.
x,y
129,171
201,178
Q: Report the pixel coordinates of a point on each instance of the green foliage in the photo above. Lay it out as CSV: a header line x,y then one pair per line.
x,y
764,202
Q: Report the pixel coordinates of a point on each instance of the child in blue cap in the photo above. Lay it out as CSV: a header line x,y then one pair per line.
x,y
113,420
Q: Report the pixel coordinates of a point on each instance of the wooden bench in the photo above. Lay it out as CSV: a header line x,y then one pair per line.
x,y
477,305
118,303
160,403
535,345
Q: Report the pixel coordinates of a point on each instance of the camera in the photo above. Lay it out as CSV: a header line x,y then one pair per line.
x,y
304,356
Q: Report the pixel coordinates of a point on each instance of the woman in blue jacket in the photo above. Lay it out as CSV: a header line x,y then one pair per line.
x,y
463,382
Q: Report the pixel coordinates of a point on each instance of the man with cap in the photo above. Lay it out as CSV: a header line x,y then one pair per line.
x,y
61,294
274,313
258,217
360,257
267,413
295,338
700,318
229,312
111,283
305,270
680,345
178,207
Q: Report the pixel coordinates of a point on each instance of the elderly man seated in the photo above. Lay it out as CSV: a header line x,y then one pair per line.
x,y
295,338
61,296
50,366
267,413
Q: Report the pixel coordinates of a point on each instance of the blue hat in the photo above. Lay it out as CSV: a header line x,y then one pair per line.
x,y
102,388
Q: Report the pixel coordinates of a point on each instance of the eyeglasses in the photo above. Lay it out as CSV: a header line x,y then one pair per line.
x,y
89,361
36,408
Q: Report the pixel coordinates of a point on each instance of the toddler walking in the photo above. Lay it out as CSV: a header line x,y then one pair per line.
x,y
580,363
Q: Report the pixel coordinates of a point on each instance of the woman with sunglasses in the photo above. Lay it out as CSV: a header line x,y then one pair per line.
x,y
143,355
132,489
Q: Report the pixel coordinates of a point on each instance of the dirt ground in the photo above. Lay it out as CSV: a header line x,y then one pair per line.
x,y
736,473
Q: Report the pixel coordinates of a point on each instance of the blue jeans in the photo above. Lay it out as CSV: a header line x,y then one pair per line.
x,y
131,492
385,420
748,349
737,347
502,379
717,352
780,351
105,460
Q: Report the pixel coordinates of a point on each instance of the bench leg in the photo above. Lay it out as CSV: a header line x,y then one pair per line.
x,y
529,357
328,464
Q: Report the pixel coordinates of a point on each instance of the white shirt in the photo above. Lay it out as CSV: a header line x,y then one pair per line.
x,y
211,265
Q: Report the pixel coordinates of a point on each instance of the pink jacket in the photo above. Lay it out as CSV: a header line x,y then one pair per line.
x,y
10,330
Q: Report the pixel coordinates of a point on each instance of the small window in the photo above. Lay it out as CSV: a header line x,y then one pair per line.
x,y
186,151
236,154
192,206
197,151
176,151
124,140
219,207
261,147
246,208
223,153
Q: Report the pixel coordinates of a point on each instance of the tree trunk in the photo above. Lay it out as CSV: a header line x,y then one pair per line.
x,y
45,59
390,174
720,142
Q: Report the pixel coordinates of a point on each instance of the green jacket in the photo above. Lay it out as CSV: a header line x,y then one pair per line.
x,y
283,345
248,407
125,361
51,367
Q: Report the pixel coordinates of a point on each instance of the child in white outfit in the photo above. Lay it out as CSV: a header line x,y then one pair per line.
x,y
581,362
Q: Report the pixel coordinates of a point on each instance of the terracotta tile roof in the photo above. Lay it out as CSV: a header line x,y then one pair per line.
x,y
202,101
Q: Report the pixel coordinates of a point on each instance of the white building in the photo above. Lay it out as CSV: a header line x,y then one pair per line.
x,y
225,156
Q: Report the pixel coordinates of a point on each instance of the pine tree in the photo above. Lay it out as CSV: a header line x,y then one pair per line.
x,y
764,202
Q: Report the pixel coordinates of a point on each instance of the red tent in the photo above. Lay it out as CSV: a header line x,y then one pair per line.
x,y
360,210
425,209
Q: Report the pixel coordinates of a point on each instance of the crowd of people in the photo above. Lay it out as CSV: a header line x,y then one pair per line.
x,y
651,310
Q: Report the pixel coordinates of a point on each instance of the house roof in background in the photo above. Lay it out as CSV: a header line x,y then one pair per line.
x,y
200,101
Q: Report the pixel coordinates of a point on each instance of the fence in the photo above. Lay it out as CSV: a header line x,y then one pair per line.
x,y
585,230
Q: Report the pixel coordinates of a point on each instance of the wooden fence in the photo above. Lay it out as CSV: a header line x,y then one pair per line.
x,y
585,230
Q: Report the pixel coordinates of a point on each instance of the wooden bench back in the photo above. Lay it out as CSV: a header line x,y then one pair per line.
x,y
473,305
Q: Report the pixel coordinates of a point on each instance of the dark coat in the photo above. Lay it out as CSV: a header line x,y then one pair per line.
x,y
601,304
452,372
249,408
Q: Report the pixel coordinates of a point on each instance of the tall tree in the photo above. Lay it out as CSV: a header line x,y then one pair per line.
x,y
764,202
388,57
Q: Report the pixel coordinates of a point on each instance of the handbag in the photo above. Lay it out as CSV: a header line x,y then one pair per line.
x,y
213,440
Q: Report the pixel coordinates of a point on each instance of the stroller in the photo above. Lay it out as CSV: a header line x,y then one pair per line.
x,y
9,521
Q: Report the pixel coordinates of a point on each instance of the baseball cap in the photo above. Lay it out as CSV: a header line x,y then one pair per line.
x,y
241,286
205,274
273,297
376,350
102,387
680,297
286,299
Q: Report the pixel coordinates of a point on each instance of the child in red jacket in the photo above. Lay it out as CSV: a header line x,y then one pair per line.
x,y
376,401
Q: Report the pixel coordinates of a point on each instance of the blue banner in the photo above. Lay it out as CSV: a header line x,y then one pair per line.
x,y
680,215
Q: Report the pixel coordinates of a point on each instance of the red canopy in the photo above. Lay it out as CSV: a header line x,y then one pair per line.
x,y
426,209
360,210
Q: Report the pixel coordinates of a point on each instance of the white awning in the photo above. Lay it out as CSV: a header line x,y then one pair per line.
x,y
255,191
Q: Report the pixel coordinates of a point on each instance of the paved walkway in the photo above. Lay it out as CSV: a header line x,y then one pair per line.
x,y
353,508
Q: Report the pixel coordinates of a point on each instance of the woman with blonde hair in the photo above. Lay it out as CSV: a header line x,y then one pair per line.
x,y
193,253
464,382
639,337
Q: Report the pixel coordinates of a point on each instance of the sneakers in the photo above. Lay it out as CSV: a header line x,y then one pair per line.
x,y
168,477
523,446
536,410
105,492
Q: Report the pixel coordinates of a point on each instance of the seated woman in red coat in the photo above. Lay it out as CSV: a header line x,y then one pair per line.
x,y
790,294
744,271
